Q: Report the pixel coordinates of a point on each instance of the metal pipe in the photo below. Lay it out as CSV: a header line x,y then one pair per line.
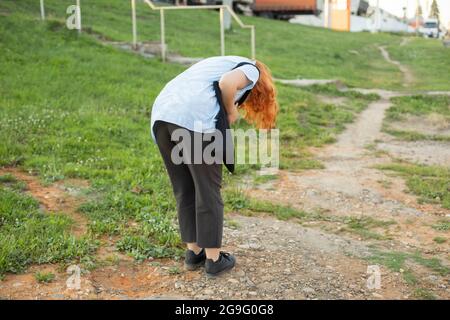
x,y
133,17
78,16
222,33
253,44
417,16
163,36
42,10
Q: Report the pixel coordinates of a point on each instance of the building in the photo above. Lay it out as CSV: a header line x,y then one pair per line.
x,y
353,16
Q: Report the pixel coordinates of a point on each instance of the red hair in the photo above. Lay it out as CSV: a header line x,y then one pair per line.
x,y
261,106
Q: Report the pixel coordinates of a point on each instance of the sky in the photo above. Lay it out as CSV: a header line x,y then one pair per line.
x,y
396,7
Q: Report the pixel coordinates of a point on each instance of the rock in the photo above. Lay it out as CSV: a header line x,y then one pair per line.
x,y
234,281
179,285
308,290
208,292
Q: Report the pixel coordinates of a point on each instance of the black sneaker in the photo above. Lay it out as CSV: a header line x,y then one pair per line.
x,y
225,262
194,261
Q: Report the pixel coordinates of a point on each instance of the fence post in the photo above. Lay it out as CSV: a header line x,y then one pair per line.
x,y
222,32
133,17
163,36
42,10
326,14
253,44
78,16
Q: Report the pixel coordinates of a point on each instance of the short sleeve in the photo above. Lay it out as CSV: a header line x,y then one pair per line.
x,y
251,73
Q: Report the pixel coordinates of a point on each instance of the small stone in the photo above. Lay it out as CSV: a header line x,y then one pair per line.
x,y
208,292
252,293
308,290
231,280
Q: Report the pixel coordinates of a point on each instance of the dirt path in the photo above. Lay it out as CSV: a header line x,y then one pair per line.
x,y
350,186
407,73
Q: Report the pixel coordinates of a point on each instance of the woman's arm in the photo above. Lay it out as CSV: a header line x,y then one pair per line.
x,y
229,84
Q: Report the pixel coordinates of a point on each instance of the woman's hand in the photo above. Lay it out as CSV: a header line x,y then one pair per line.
x,y
229,84
233,116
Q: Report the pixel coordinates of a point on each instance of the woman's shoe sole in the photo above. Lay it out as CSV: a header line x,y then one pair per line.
x,y
193,267
218,274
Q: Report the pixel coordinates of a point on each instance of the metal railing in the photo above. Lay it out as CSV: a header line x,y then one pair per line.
x,y
221,8
162,10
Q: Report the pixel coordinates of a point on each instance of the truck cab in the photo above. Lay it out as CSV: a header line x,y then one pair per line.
x,y
430,28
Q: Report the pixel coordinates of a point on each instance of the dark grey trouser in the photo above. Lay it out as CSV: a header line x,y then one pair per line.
x,y
197,191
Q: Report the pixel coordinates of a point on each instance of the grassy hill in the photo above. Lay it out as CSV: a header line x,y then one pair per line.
x,y
290,50
71,107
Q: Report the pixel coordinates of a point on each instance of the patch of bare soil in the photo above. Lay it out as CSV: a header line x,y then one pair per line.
x,y
55,198
120,281
421,151
432,124
424,152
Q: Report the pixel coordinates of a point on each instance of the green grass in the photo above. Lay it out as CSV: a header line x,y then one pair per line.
x,y
397,262
442,225
363,226
236,200
430,183
261,179
428,59
440,240
44,277
417,106
415,136
72,123
424,294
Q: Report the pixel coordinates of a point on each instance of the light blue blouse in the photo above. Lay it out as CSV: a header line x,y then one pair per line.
x,y
190,98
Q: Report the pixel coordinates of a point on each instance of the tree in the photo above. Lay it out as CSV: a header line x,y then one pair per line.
x,y
434,11
419,11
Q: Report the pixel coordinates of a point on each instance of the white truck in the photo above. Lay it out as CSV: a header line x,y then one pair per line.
x,y
430,28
